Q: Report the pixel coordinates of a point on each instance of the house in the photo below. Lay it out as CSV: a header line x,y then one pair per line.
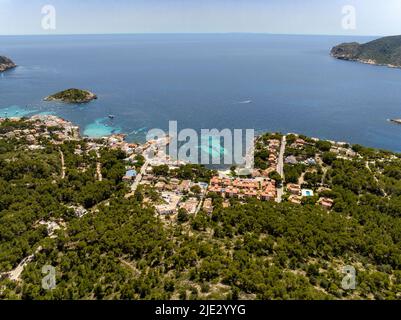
x,y
130,175
326,203
190,205
295,199
232,192
226,204
208,206
216,189
170,205
294,188
291,160
185,186
251,193
165,209
311,162
160,185
215,180
267,196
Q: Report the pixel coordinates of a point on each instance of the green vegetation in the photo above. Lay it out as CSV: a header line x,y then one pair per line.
x,y
292,173
72,96
383,51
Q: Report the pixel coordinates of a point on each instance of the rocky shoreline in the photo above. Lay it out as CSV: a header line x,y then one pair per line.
x,y
6,64
367,61
384,51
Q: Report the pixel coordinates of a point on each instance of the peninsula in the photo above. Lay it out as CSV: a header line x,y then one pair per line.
x,y
383,51
6,63
72,96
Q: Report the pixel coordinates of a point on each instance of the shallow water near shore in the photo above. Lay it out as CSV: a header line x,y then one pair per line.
x,y
265,82
100,128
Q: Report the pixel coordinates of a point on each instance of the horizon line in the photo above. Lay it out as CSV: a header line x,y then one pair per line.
x,y
188,33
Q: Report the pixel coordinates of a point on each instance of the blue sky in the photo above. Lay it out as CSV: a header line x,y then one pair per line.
x,y
373,17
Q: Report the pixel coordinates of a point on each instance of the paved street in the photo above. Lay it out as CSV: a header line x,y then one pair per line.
x,y
280,168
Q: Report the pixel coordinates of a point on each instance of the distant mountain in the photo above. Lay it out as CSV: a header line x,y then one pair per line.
x,y
384,51
6,63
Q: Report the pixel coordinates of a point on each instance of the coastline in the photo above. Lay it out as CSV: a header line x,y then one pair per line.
x,y
367,61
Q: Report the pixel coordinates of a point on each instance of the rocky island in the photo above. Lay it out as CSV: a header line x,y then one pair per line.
x,y
72,96
384,52
6,63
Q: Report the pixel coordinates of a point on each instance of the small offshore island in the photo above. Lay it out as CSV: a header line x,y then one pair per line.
x,y
382,52
6,64
72,96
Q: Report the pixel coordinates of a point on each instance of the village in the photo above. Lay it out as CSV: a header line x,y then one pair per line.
x,y
266,182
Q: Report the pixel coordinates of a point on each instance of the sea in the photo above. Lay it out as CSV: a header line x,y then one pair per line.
x,y
280,83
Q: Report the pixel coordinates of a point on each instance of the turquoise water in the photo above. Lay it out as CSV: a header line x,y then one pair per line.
x,y
101,128
47,113
212,146
16,111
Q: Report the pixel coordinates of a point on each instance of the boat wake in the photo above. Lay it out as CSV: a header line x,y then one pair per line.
x,y
245,102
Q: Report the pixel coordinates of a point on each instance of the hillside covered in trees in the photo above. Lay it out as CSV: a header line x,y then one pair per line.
x,y
382,51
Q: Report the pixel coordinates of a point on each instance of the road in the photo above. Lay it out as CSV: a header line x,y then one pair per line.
x,y
203,195
98,168
15,274
62,165
138,179
280,168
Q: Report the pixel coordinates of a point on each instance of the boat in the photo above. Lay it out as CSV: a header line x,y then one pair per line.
x,y
397,121
111,116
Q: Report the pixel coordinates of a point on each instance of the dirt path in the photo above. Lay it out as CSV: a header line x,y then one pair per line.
x,y
99,168
15,274
62,165
374,177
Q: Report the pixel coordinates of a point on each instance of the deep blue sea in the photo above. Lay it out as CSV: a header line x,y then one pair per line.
x,y
266,82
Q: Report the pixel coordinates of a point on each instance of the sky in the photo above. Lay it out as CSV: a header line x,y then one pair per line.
x,y
368,17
